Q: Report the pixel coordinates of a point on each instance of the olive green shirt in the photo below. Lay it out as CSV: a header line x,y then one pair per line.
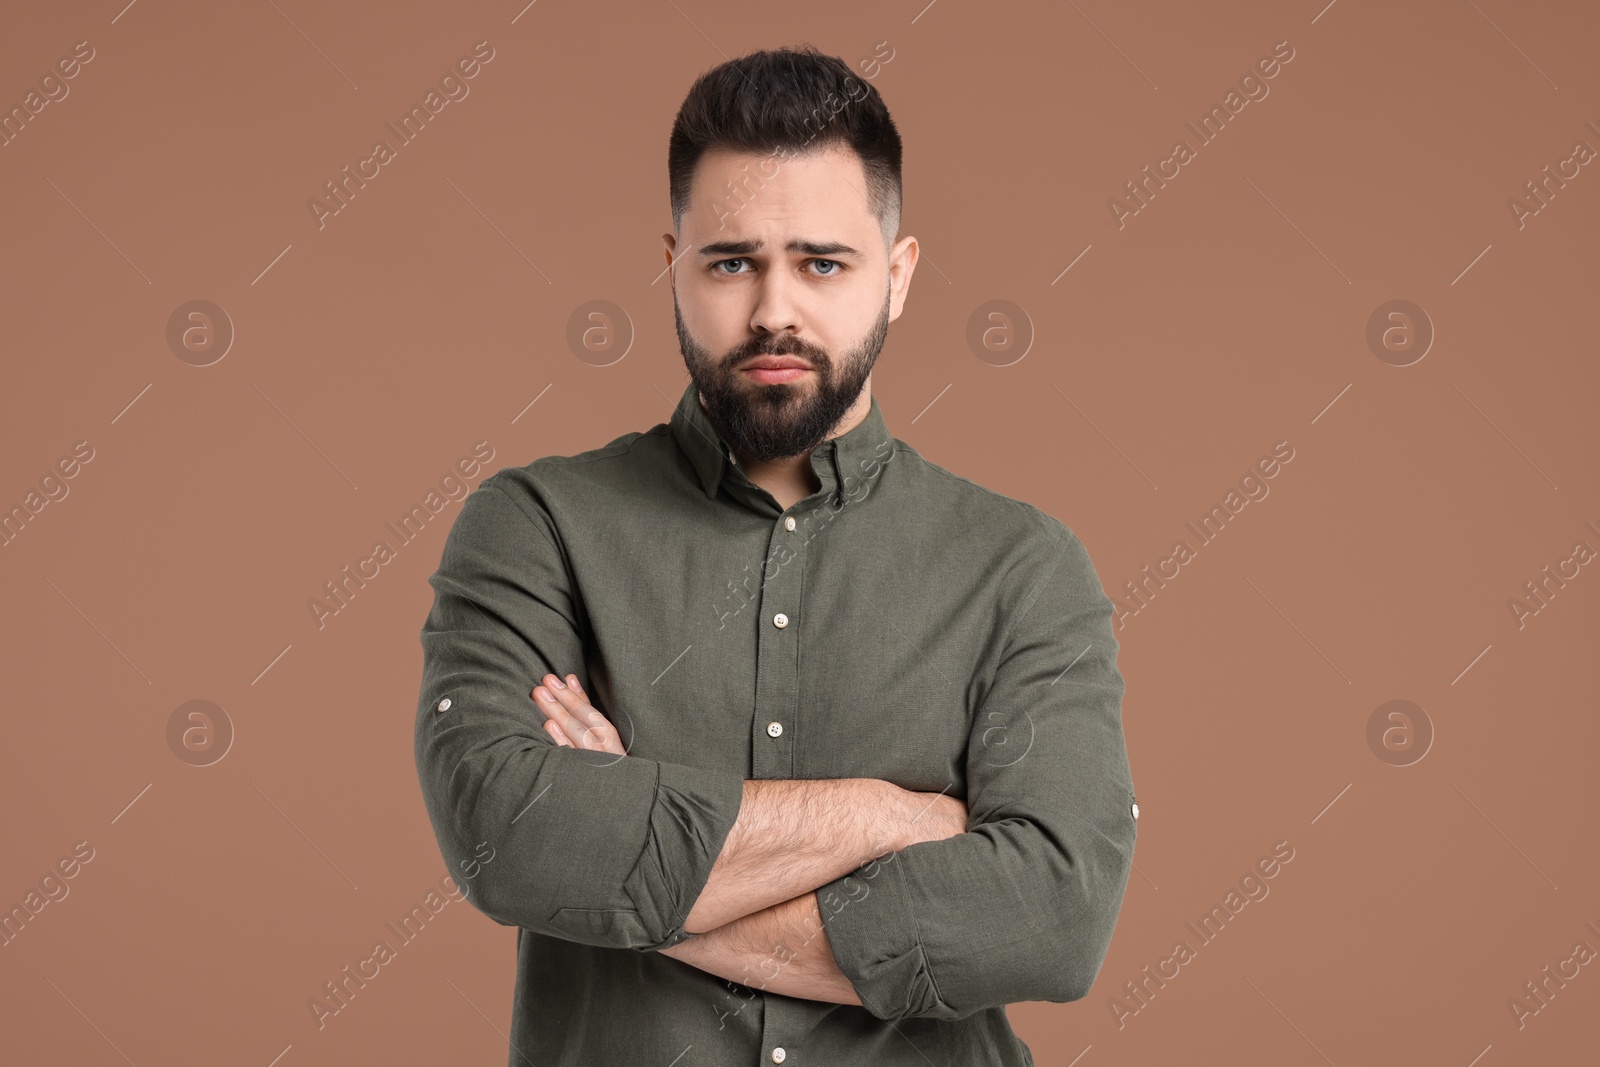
x,y
901,623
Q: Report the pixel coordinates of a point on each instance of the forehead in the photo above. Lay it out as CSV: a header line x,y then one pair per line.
x,y
742,194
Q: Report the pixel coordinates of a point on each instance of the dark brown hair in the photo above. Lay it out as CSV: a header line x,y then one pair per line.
x,y
786,102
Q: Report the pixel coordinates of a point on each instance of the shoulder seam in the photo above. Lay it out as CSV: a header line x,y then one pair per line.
x,y
526,514
1039,587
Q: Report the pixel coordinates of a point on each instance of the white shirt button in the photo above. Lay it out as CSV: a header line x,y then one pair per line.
x,y
778,1055
788,522
444,705
774,729
1135,809
780,620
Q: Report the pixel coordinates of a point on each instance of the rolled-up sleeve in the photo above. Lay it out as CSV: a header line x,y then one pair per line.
x,y
584,846
1021,907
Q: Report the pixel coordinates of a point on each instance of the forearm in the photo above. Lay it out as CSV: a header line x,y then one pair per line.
x,y
782,949
793,835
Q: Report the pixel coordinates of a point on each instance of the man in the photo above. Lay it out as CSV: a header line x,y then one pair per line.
x,y
786,745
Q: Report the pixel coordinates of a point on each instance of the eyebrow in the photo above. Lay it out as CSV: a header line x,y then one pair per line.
x,y
810,248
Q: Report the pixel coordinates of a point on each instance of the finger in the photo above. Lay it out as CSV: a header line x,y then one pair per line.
x,y
584,723
554,711
594,717
581,723
557,734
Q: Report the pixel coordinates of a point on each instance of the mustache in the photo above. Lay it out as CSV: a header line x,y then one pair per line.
x,y
816,357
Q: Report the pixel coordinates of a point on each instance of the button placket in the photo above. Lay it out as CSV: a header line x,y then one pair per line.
x,y
778,654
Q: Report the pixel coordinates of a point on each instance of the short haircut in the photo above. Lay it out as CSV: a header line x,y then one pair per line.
x,y
787,102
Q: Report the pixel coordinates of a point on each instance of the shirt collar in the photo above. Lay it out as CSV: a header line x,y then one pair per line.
x,y
857,454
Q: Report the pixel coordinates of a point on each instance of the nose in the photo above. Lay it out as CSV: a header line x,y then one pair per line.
x,y
776,309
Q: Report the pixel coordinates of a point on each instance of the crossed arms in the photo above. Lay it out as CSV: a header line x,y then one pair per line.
x,y
759,907
1013,900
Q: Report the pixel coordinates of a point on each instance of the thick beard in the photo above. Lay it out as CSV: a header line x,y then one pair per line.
x,y
779,420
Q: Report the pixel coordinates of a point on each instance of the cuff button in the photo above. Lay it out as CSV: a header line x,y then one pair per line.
x,y
444,705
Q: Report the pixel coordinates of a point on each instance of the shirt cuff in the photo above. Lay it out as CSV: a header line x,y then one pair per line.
x,y
875,941
693,813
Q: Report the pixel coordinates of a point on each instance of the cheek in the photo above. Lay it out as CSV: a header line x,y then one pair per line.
x,y
713,317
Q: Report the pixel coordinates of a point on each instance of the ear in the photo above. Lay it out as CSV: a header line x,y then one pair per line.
x,y
902,264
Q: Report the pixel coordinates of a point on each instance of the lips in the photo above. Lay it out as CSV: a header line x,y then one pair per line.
x,y
777,363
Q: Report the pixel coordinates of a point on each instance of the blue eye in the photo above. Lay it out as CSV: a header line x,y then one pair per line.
x,y
716,267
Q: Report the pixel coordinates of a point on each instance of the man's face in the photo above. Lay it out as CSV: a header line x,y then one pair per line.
x,y
741,292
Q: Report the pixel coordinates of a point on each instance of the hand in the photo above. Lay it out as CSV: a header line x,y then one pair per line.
x,y
931,817
571,720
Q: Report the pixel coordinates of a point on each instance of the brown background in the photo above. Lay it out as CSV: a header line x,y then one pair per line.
x,y
1228,315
